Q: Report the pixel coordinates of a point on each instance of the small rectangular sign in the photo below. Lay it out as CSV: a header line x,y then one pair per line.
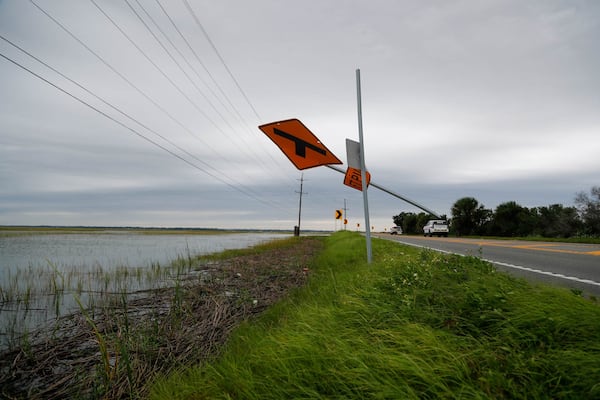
x,y
353,153
353,178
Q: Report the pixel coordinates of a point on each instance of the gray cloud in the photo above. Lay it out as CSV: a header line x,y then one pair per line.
x,y
496,100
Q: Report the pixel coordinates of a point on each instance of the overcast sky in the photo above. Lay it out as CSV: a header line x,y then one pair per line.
x,y
113,124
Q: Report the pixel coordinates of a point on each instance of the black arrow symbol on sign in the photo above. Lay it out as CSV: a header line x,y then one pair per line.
x,y
338,214
301,145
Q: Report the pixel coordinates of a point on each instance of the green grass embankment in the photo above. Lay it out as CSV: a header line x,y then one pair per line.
x,y
413,324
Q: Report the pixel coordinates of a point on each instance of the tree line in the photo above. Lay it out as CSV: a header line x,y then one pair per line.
x,y
469,217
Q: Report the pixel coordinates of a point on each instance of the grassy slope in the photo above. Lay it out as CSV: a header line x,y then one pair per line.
x,y
413,324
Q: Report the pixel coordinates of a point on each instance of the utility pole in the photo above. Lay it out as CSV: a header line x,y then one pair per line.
x,y
297,228
345,214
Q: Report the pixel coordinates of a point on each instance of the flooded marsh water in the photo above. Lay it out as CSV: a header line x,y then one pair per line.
x,y
45,276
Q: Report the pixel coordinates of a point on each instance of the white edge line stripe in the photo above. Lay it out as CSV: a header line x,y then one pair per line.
x,y
537,271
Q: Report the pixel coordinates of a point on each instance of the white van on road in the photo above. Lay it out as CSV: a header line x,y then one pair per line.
x,y
396,230
437,227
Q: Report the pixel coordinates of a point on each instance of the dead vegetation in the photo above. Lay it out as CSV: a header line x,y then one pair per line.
x,y
112,351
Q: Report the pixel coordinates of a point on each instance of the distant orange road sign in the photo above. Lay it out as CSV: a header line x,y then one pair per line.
x,y
353,178
299,144
338,214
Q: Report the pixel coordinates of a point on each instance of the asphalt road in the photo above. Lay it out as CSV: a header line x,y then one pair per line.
x,y
575,266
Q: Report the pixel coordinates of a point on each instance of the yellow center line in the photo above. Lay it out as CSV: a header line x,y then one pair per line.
x,y
533,246
549,247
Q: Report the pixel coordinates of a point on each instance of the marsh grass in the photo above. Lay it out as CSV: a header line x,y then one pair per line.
x,y
81,322
31,298
413,324
113,347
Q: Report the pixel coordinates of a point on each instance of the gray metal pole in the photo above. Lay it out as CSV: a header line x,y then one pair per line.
x,y
363,169
345,214
300,205
388,191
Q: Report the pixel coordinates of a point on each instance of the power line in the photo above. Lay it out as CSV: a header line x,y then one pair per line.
x,y
244,149
160,70
132,130
124,113
201,63
120,75
114,70
173,59
205,33
189,46
181,35
197,20
131,84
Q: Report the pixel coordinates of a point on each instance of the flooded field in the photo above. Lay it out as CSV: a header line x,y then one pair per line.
x,y
46,275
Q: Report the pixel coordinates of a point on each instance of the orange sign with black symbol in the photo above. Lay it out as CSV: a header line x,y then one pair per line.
x,y
299,144
353,178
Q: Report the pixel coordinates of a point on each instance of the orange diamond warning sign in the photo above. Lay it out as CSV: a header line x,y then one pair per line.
x,y
299,144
